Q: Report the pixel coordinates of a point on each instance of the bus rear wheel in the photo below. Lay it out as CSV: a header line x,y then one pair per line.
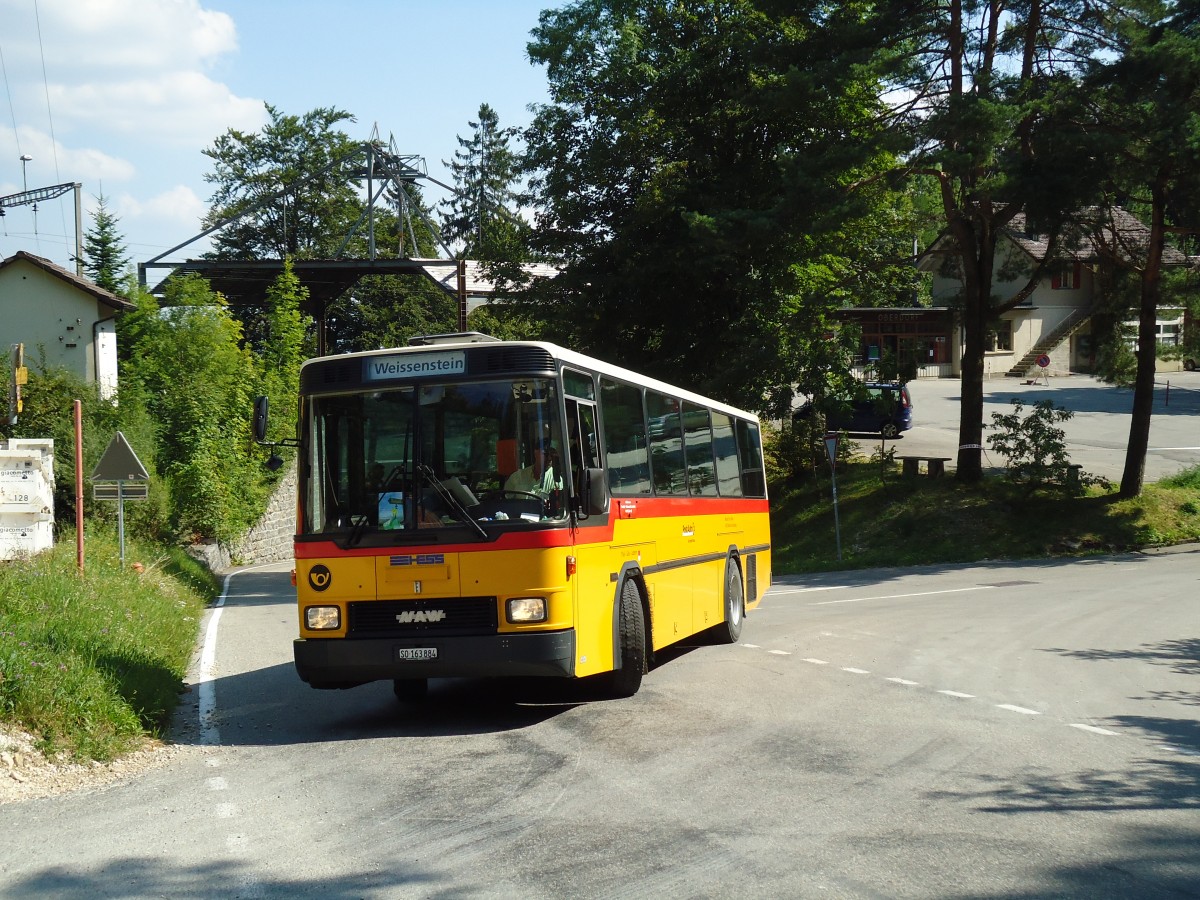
x,y
626,680
730,630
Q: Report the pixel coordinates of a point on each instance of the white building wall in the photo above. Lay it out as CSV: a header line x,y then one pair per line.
x,y
52,319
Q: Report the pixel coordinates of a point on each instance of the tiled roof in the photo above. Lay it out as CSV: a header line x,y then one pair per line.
x,y
108,298
1116,230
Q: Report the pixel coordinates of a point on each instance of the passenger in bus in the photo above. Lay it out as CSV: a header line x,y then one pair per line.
x,y
540,476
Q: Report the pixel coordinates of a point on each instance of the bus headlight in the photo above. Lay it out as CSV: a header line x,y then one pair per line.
x,y
322,618
525,609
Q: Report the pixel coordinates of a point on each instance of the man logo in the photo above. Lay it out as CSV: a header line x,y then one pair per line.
x,y
319,577
420,615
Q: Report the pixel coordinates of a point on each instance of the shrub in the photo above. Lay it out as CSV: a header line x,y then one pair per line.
x,y
1035,449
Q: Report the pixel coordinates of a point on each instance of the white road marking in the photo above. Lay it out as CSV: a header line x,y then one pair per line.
x,y
1092,728
226,810
816,662
217,784
958,694
780,652
209,734
1185,751
978,587
855,671
752,646
902,681
833,587
1018,709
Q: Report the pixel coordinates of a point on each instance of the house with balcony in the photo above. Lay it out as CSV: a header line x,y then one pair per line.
x,y
1055,321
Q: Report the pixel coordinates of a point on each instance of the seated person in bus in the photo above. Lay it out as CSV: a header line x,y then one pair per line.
x,y
540,476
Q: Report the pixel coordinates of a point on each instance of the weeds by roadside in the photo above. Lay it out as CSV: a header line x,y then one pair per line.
x,y
91,664
887,520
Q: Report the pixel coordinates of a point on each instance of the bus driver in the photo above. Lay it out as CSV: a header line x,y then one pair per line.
x,y
539,477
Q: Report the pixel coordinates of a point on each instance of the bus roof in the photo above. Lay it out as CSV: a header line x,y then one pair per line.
x,y
571,357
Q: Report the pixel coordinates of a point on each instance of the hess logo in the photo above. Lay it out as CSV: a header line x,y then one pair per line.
x,y
319,578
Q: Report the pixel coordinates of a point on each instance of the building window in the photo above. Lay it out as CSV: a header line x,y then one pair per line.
x,y
1068,279
999,340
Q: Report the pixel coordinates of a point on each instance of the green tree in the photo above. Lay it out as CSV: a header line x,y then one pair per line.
x,y
990,112
691,176
292,187
198,383
284,348
106,261
1148,105
385,311
480,217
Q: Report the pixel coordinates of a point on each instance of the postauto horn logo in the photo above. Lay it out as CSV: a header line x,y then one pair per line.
x,y
319,577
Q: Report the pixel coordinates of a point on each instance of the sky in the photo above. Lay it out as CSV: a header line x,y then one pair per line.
x,y
123,96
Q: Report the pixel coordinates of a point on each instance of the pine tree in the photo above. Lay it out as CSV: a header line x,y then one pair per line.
x,y
480,217
105,257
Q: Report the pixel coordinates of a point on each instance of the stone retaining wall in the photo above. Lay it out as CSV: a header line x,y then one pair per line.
x,y
269,540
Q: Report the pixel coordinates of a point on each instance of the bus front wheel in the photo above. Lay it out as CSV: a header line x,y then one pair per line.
x,y
730,630
625,681
410,690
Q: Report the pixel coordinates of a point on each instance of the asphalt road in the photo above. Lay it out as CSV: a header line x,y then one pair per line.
x,y
1002,730
1096,435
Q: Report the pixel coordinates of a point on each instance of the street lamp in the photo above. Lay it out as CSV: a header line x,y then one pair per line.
x,y
25,157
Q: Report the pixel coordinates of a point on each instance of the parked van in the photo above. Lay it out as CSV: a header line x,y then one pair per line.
x,y
886,410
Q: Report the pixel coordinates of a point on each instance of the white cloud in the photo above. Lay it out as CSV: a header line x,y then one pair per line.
x,y
179,206
74,163
123,67
182,108
101,37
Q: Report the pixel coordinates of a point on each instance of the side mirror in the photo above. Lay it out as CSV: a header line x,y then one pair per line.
x,y
260,419
596,491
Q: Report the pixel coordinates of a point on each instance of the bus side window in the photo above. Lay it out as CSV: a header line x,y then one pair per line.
x,y
627,458
697,440
729,481
754,482
583,445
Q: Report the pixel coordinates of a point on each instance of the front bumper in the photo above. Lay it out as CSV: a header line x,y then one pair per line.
x,y
342,662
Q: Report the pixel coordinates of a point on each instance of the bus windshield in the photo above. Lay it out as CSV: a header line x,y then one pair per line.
x,y
385,465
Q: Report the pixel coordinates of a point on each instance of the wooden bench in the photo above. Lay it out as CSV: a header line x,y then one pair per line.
x,y
935,466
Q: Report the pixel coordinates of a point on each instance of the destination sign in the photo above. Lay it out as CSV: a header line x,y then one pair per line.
x,y
414,365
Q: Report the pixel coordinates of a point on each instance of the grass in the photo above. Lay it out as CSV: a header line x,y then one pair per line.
x,y
91,664
890,521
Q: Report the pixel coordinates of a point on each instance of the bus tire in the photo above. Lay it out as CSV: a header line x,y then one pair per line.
x,y
730,630
625,680
410,690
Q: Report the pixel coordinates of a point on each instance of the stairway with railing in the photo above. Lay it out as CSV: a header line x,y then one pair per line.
x,y
1061,332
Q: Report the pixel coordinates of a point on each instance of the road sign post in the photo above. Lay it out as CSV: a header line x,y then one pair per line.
x,y
831,445
120,476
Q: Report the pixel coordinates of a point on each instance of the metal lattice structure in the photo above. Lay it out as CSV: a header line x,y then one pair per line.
x,y
382,172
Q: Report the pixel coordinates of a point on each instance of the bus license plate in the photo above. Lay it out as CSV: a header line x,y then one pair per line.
x,y
416,653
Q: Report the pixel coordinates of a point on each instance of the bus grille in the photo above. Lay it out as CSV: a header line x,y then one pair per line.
x,y
405,618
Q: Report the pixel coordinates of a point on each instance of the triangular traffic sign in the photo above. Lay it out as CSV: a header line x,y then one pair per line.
x,y
119,463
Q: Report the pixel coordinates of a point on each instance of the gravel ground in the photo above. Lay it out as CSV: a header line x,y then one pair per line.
x,y
25,774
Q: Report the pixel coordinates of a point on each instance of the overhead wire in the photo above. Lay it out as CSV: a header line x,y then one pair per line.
x,y
12,110
49,117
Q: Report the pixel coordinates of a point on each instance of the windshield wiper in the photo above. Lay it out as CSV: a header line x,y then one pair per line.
x,y
447,497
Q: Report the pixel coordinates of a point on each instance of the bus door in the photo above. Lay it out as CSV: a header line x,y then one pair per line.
x,y
591,588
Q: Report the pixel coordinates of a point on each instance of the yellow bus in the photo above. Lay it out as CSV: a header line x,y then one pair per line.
x,y
474,507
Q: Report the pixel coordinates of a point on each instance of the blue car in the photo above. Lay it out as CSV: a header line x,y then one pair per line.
x,y
886,410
